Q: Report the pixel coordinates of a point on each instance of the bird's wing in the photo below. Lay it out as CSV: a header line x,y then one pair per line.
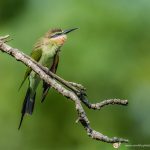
x,y
53,68
38,44
36,55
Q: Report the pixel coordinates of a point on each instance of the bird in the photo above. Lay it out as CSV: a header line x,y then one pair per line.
x,y
45,52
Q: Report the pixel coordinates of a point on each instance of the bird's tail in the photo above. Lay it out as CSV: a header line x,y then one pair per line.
x,y
28,105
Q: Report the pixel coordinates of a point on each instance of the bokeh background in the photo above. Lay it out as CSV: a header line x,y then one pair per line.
x,y
109,55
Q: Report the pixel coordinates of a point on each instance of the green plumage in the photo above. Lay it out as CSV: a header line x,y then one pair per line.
x,y
46,53
36,55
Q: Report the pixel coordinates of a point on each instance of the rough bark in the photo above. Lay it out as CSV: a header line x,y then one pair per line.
x,y
73,91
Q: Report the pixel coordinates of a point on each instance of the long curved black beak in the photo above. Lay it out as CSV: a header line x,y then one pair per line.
x,y
69,30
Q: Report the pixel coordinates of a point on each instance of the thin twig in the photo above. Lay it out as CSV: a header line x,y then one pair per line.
x,y
4,37
108,102
70,92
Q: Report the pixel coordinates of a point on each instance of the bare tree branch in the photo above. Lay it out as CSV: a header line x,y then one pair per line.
x,y
73,91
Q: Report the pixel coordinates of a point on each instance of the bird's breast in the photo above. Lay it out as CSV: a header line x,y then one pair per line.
x,y
60,40
48,54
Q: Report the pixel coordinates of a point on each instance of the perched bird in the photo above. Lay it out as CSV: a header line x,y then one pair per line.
x,y
46,52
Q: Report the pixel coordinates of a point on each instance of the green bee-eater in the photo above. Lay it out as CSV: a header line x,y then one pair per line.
x,y
46,52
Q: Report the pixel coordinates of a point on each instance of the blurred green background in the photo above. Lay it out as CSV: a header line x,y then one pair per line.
x,y
109,55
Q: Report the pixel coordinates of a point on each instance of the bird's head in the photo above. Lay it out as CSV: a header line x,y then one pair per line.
x,y
59,36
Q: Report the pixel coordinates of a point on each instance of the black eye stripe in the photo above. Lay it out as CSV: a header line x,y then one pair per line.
x,y
55,35
58,33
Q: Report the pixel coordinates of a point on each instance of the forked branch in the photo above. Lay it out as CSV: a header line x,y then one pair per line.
x,y
73,91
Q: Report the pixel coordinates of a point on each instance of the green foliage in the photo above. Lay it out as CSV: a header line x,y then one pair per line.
x,y
109,54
